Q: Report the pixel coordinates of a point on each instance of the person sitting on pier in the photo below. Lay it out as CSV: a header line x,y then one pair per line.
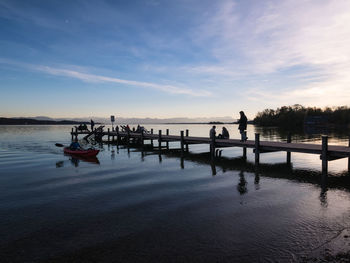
x,y
75,146
224,134
212,132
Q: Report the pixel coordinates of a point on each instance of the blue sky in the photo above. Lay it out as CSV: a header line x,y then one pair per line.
x,y
152,58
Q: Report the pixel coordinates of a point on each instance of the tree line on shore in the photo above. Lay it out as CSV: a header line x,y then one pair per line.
x,y
297,116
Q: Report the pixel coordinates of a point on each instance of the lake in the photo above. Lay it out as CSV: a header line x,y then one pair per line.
x,y
133,205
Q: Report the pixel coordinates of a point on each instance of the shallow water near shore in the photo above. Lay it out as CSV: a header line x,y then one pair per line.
x,y
138,206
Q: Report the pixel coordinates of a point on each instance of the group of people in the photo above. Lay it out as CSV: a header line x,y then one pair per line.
x,y
242,127
139,129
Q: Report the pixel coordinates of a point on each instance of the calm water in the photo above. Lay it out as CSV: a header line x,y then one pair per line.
x,y
133,206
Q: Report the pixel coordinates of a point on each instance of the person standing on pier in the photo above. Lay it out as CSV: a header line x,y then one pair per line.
x,y
243,126
212,132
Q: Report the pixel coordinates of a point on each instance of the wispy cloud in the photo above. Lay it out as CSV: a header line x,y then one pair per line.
x,y
87,77
275,36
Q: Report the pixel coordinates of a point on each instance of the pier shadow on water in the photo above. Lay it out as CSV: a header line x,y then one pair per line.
x,y
242,165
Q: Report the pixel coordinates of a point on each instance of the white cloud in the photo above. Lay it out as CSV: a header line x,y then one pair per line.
x,y
269,38
87,77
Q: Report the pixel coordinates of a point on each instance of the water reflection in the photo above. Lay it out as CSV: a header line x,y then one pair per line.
x,y
323,198
59,164
307,133
213,168
75,160
242,184
257,180
275,170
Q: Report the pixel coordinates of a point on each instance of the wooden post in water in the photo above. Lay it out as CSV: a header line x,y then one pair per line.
x,y
76,133
182,143
289,140
118,138
152,139
167,142
187,132
142,142
128,137
108,134
212,148
182,164
324,156
160,140
72,134
257,145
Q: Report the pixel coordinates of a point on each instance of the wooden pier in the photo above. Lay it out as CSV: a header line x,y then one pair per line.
x,y
326,152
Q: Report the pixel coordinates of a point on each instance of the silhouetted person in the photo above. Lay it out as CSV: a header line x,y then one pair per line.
x,y
212,132
225,134
75,146
243,126
92,123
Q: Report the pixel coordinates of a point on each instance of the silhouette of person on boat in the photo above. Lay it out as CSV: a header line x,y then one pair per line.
x,y
75,145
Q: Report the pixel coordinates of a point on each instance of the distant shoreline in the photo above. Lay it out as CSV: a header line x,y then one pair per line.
x,y
27,121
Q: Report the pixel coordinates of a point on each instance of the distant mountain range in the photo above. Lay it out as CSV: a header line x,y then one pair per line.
x,y
124,120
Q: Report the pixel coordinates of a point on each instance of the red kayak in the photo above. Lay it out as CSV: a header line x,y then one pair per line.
x,y
82,153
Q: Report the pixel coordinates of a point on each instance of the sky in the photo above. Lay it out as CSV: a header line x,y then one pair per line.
x,y
165,59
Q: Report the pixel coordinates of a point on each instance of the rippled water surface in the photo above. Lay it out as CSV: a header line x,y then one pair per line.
x,y
131,205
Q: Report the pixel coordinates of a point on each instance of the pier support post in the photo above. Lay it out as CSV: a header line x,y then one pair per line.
x,y
152,139
167,142
289,140
72,134
142,140
108,137
324,157
187,133
118,138
182,163
257,145
76,133
245,153
182,143
128,138
212,148
160,140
